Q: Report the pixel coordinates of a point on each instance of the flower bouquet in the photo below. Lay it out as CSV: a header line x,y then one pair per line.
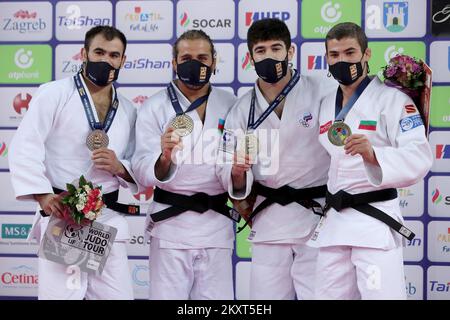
x,y
83,201
413,77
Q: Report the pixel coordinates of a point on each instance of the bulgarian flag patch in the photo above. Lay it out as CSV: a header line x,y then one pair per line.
x,y
368,125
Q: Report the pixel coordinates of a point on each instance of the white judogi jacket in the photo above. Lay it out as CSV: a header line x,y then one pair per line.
x,y
49,149
398,139
290,154
194,171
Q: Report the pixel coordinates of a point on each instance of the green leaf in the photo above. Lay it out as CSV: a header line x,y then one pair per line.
x,y
71,188
82,181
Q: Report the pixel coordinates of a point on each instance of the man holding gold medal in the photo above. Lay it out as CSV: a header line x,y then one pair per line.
x,y
190,229
376,140
278,154
79,126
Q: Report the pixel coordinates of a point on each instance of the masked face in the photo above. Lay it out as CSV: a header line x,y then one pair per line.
x,y
194,73
346,73
101,73
271,70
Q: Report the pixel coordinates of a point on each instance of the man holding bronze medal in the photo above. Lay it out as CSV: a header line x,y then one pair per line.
x,y
376,139
278,154
80,126
189,225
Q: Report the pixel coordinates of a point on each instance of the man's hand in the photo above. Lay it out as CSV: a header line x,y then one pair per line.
x,y
106,159
359,144
51,204
239,171
170,143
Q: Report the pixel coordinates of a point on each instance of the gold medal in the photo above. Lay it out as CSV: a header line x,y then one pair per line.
x,y
183,124
338,132
97,139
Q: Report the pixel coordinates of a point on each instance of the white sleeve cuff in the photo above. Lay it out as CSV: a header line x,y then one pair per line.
x,y
241,194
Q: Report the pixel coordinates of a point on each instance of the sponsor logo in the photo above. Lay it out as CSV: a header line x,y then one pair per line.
x,y
143,21
21,275
21,103
145,63
395,16
253,16
3,150
245,62
185,22
20,22
440,16
442,151
330,12
15,231
317,63
437,286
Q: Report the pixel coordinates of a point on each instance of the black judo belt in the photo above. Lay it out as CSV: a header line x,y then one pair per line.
x,y
360,202
286,195
198,202
110,200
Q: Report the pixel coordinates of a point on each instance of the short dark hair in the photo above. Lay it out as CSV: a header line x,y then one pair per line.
x,y
108,32
268,29
193,34
347,30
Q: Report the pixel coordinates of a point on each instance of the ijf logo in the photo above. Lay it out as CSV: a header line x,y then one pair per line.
x,y
395,16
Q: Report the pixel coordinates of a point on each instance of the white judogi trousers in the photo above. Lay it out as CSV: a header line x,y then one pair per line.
x,y
59,282
281,271
196,274
348,273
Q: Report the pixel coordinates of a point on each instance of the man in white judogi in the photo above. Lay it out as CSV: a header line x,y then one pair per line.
x,y
290,158
360,256
176,149
49,150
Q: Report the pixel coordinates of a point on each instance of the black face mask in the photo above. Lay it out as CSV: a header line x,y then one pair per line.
x,y
346,73
194,73
99,72
271,70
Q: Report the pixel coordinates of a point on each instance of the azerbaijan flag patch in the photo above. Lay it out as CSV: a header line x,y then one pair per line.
x,y
368,125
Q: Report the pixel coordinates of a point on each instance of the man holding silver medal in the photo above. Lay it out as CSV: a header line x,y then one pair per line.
x,y
80,126
189,224
278,155
376,140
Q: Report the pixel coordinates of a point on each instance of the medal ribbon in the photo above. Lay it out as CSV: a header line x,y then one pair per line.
x,y
252,124
176,103
89,109
340,115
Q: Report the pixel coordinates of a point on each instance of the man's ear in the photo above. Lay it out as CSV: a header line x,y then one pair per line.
x,y
291,52
124,58
174,65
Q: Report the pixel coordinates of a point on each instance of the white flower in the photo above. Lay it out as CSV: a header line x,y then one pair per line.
x,y
90,215
87,188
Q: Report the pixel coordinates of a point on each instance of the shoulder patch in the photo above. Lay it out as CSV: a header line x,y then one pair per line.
x,y
410,122
410,108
